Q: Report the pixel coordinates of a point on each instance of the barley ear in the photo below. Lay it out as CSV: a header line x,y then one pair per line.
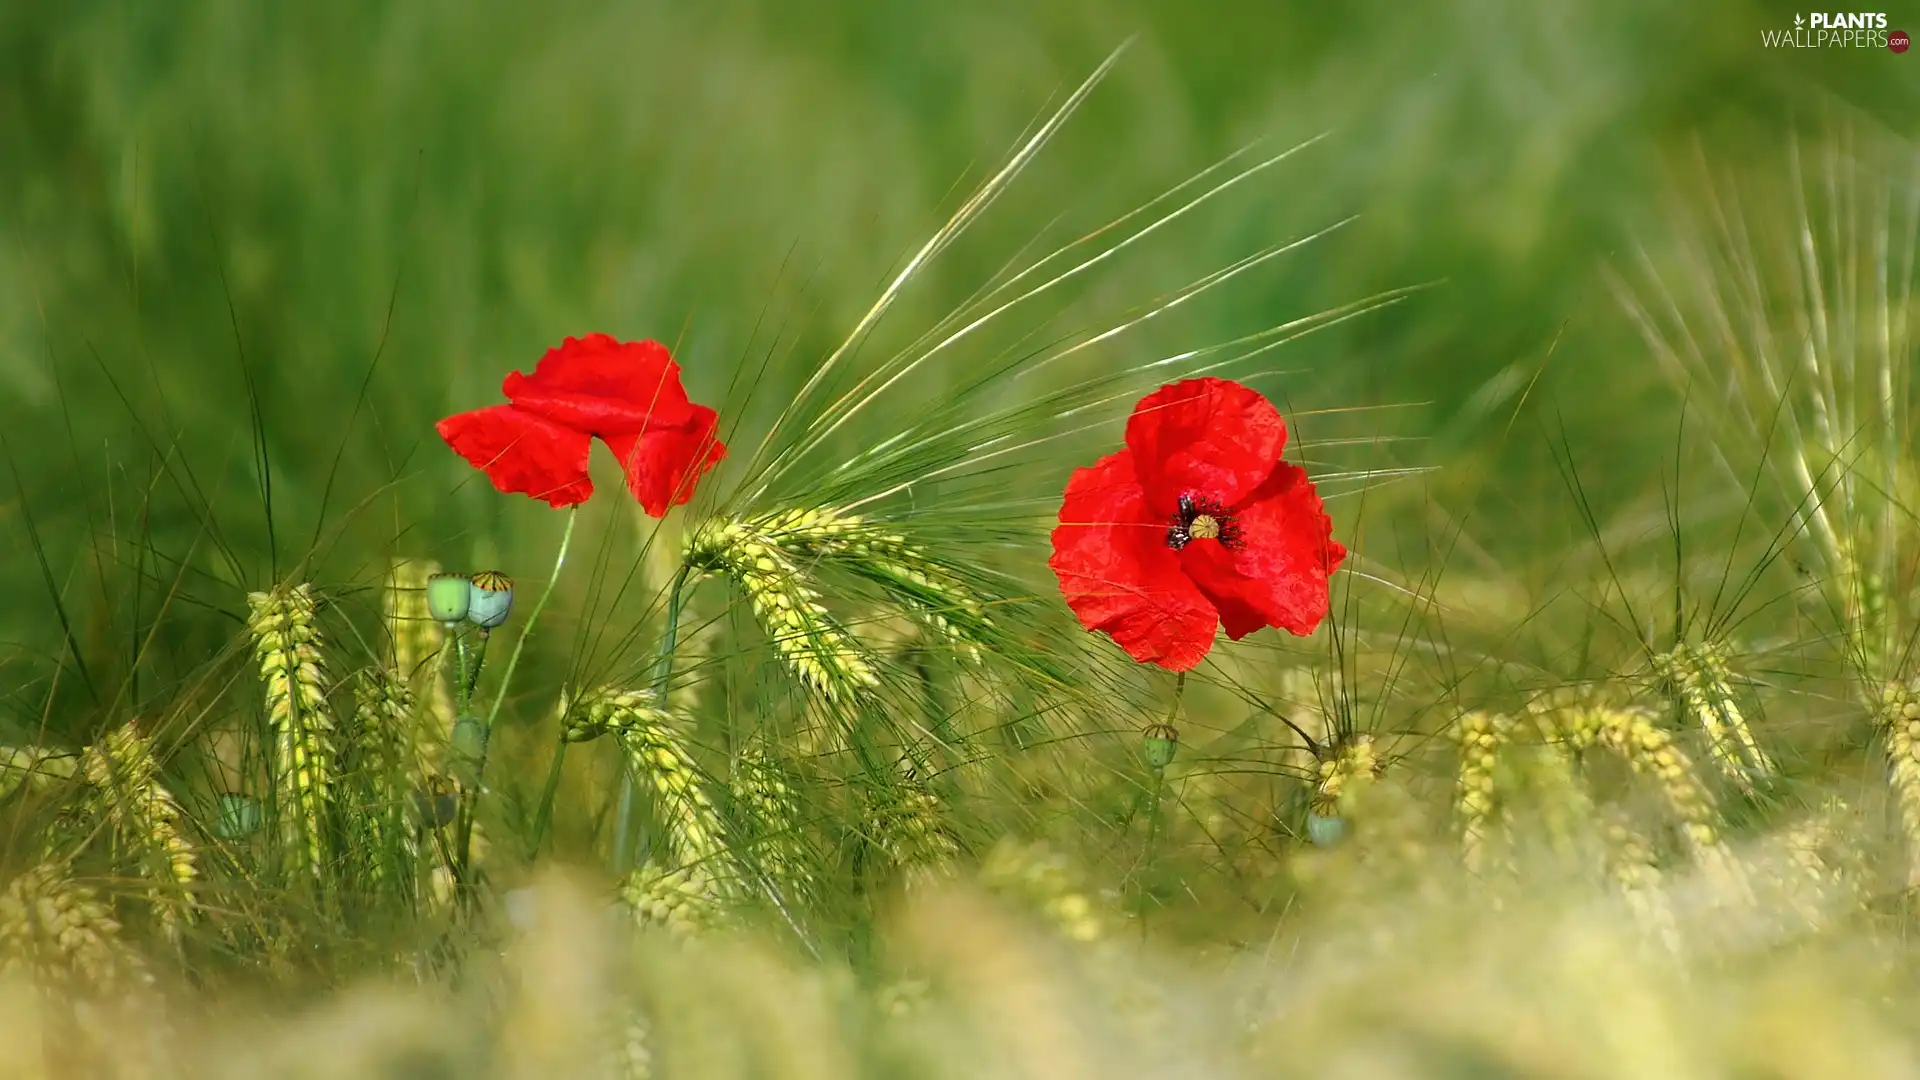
x,y
684,900
1650,751
823,654
1634,869
630,1055
909,827
287,643
1699,677
1480,735
769,831
63,935
660,759
385,771
1899,722
125,774
1344,773
34,769
925,588
417,653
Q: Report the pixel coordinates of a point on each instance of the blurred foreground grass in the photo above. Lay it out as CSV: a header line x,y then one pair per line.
x,y
1606,766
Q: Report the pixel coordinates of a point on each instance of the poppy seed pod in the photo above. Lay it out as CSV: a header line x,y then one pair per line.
x,y
448,597
489,599
1161,739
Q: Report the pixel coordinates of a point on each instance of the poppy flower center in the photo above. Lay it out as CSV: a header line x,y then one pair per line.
x,y
1201,518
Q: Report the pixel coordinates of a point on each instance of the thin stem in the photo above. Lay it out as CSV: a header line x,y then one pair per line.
x,y
465,696
544,816
1153,839
479,661
506,684
1153,807
662,671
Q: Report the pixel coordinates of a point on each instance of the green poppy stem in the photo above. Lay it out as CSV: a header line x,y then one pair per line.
x,y
464,697
465,849
1153,806
479,661
662,671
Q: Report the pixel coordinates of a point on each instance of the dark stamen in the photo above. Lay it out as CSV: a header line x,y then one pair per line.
x,y
1201,518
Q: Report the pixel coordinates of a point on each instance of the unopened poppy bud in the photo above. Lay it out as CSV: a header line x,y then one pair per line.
x,y
489,599
1325,831
469,740
1161,739
449,597
239,817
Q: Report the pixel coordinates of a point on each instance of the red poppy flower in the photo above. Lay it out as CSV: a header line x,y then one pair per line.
x,y
1196,523
627,394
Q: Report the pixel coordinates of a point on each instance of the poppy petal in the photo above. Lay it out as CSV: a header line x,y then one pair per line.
x,y
1276,573
664,464
523,453
1208,437
1118,574
602,386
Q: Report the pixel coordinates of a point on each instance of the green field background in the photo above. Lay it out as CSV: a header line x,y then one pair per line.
x,y
203,202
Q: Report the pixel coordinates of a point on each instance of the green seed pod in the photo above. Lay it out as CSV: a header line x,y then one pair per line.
x,y
239,817
1325,831
489,599
469,740
1161,739
448,597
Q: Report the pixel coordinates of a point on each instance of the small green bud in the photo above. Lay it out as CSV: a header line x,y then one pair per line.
x,y
1325,831
448,597
239,817
489,599
1161,739
469,740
